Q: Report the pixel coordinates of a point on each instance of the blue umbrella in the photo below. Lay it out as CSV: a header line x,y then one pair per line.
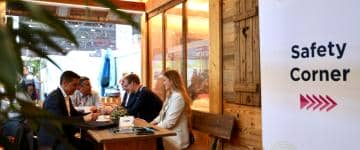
x,y
105,75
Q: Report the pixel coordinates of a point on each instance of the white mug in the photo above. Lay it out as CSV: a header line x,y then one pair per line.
x,y
126,121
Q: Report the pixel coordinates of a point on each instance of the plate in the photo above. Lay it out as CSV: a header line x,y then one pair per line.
x,y
103,118
85,109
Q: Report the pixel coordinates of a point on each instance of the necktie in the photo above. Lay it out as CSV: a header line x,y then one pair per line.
x,y
67,102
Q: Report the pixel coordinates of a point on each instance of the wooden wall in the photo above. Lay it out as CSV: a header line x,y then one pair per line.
x,y
2,12
241,72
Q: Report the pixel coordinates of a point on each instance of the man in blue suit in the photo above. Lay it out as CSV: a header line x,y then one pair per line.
x,y
59,104
140,101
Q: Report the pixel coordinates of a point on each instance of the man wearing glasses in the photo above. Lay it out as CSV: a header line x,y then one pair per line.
x,y
84,96
140,101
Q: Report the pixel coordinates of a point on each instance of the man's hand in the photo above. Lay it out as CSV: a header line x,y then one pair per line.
x,y
91,117
93,109
108,109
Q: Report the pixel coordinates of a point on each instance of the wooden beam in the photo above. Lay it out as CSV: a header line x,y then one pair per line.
x,y
2,13
215,57
248,14
157,9
246,87
145,69
125,5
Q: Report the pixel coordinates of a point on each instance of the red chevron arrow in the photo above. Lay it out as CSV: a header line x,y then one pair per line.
x,y
319,102
332,102
312,101
325,101
303,102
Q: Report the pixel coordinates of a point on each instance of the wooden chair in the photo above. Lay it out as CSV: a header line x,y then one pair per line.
x,y
216,126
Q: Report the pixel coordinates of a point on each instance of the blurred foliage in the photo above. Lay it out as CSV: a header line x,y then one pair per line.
x,y
14,40
119,111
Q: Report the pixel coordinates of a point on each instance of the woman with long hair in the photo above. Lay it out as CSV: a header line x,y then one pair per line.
x,y
175,114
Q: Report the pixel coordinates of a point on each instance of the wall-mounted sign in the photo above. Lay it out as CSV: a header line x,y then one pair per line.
x,y
310,74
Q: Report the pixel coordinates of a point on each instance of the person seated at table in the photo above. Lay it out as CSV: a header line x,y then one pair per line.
x,y
59,104
140,101
175,114
84,96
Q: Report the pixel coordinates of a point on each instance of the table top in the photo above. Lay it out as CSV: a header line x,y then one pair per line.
x,y
106,136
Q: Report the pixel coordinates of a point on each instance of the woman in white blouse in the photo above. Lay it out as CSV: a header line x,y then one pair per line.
x,y
175,114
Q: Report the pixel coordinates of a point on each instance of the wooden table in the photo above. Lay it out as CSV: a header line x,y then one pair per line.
x,y
111,141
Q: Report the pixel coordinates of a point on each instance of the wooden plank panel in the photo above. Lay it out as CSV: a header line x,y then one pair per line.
x,y
155,7
231,96
228,32
244,56
153,4
246,136
216,125
256,51
246,15
247,132
241,50
145,69
228,49
126,5
249,51
2,12
246,116
228,65
228,8
215,59
75,13
246,87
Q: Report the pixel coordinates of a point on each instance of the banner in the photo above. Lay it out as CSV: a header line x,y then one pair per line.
x,y
310,74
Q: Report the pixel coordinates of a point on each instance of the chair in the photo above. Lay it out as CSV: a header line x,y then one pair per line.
x,y
217,126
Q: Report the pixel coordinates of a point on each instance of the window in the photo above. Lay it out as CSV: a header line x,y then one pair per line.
x,y
155,47
195,45
95,41
198,53
174,45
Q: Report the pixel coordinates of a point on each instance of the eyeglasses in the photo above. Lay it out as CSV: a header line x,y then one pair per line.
x,y
125,85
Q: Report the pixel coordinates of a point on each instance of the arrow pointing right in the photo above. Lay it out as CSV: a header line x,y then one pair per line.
x,y
303,102
318,101
312,101
325,101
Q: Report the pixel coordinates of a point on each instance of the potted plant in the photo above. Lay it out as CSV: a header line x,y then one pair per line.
x,y
119,111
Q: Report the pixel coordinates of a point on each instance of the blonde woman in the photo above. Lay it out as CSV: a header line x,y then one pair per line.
x,y
175,114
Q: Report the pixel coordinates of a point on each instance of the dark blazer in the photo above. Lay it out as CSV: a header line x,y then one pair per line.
x,y
144,104
131,100
55,104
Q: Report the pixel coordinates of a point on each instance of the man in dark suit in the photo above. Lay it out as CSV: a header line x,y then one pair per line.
x,y
140,101
59,104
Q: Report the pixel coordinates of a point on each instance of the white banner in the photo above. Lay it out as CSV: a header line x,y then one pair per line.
x,y
310,74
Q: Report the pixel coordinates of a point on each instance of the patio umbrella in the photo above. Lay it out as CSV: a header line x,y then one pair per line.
x,y
105,75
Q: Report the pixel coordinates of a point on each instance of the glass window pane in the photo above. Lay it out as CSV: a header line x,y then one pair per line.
x,y
155,47
96,40
198,53
174,47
